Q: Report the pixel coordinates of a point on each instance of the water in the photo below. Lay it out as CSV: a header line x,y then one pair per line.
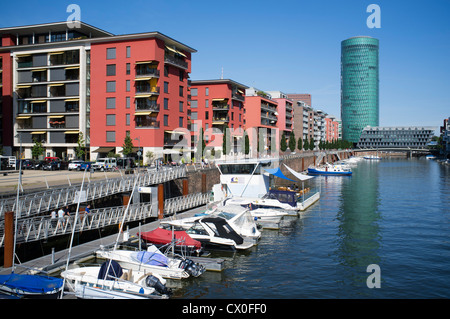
x,y
394,213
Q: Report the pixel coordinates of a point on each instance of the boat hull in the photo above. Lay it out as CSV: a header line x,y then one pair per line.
x,y
314,171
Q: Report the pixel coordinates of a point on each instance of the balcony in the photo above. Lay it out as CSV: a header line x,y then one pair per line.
x,y
220,106
57,122
238,97
146,89
175,61
145,121
65,57
220,119
144,70
146,105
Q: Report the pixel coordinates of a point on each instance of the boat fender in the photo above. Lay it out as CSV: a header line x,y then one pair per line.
x,y
154,282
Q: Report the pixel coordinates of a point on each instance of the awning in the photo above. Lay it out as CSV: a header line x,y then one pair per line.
x,y
39,101
142,95
71,132
56,116
23,86
103,150
175,132
72,68
22,117
175,51
55,53
142,113
40,132
145,62
297,174
220,99
277,172
56,84
146,78
71,100
39,70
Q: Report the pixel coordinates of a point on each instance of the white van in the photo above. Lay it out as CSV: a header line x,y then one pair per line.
x,y
105,163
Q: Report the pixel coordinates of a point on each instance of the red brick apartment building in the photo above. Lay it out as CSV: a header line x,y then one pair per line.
x,y
214,106
58,82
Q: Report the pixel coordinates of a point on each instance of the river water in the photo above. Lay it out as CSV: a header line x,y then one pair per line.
x,y
393,213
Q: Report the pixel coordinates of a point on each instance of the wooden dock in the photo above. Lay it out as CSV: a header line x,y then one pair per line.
x,y
54,263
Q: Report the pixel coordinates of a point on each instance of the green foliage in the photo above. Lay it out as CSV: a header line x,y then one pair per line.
x,y
292,142
127,147
300,144
80,149
283,144
37,149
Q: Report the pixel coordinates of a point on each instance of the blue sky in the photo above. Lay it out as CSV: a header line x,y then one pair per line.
x,y
291,46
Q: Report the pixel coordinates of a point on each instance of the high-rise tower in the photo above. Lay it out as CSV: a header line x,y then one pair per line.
x,y
359,86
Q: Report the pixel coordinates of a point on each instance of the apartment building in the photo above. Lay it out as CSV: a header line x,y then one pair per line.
x,y
285,112
332,128
58,82
214,106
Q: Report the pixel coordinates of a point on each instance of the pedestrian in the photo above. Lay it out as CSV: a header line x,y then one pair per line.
x,y
61,216
53,219
87,211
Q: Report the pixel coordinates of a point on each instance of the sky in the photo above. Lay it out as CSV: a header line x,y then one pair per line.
x,y
293,46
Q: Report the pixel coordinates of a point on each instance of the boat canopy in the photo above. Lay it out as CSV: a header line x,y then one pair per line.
x,y
151,258
31,283
297,174
277,172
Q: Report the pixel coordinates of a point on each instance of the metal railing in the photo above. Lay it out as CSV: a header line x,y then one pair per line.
x,y
36,203
178,204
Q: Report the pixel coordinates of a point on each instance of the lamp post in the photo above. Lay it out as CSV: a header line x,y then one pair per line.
x,y
139,152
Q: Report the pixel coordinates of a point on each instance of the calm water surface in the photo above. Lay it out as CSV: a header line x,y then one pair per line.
x,y
394,213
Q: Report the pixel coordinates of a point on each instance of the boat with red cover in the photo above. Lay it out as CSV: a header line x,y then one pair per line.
x,y
162,237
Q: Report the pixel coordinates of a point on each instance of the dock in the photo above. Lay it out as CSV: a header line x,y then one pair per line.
x,y
54,263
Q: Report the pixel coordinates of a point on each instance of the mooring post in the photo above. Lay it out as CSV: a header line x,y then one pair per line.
x,y
203,183
185,187
9,240
161,201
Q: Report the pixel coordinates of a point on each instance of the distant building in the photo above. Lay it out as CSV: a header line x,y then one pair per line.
x,y
396,137
445,132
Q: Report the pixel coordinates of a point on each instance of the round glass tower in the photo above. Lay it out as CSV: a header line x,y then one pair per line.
x,y
359,86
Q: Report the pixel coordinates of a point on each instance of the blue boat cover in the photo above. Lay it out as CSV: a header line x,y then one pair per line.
x,y
277,172
31,283
113,268
152,258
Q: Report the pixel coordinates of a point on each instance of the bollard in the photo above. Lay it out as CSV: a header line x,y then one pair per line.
x,y
185,186
9,240
161,201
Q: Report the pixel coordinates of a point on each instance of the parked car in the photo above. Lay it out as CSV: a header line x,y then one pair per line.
x,y
75,164
52,166
28,163
39,164
105,163
126,162
83,166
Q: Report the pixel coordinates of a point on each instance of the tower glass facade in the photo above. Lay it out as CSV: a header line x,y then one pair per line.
x,y
359,86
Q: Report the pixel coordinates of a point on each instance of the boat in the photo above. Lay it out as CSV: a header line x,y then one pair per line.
x,y
110,281
154,261
31,286
429,157
239,218
330,170
216,233
162,237
372,157
25,285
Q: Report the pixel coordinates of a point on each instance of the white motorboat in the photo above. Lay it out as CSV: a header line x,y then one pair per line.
x,y
112,282
216,233
329,169
154,261
372,157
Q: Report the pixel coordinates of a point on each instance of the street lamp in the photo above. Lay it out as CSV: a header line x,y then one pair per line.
x,y
139,152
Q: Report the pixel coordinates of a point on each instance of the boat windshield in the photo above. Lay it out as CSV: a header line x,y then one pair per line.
x,y
238,168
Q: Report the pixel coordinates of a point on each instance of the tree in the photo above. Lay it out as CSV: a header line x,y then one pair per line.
x,y
283,145
311,144
80,149
127,147
300,144
246,144
37,149
306,144
150,155
292,142
226,142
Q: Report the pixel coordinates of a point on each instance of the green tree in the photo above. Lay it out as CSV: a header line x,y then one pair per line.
x,y
80,149
246,144
283,144
306,144
311,144
226,142
127,147
300,144
292,142
37,149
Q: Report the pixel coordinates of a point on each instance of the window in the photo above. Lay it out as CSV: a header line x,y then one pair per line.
x,y
111,86
128,52
180,90
194,104
111,69
110,102
206,103
180,121
128,69
206,115
181,106
110,136
206,91
110,119
127,102
181,75
166,87
166,120
194,115
166,70
166,103
194,92
110,53
128,85
127,119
